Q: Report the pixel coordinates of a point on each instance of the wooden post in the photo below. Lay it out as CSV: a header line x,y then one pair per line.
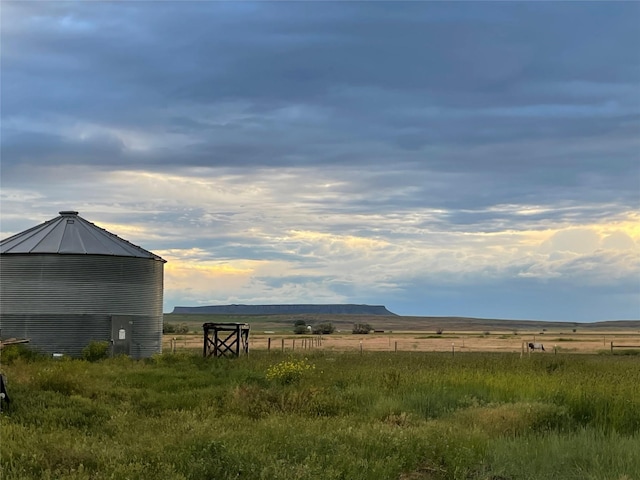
x,y
360,347
453,349
282,344
293,345
611,347
269,345
206,340
396,348
238,342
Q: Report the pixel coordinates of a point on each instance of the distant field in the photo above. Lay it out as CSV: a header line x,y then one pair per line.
x,y
282,323
420,334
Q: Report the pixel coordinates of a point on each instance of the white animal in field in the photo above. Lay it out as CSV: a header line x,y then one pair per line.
x,y
536,346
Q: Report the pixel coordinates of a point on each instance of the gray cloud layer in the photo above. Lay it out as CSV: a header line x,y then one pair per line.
x,y
378,120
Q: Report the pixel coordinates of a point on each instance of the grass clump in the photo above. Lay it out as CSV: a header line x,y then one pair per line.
x,y
95,351
289,372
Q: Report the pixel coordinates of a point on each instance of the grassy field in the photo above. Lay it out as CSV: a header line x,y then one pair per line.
x,y
323,414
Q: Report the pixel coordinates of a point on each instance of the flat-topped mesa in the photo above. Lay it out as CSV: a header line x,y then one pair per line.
x,y
297,309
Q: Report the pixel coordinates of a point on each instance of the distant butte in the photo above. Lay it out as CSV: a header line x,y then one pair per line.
x,y
297,309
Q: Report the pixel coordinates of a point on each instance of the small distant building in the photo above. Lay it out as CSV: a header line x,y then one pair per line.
x,y
67,282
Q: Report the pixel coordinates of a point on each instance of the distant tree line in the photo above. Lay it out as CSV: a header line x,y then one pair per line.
x,y
361,328
173,328
300,327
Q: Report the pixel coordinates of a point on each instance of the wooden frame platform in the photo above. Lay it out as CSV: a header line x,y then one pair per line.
x,y
225,339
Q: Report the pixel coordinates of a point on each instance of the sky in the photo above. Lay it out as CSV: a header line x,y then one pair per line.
x,y
442,159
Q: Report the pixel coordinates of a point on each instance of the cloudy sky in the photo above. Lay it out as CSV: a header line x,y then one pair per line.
x,y
470,159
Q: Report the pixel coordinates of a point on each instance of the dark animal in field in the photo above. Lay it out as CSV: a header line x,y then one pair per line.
x,y
536,346
4,395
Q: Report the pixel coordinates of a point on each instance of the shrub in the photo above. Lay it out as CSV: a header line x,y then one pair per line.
x,y
168,327
289,371
11,353
300,329
173,328
182,328
439,331
95,351
361,328
323,328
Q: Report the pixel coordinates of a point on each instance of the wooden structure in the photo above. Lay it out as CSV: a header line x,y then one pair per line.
x,y
623,346
12,341
225,339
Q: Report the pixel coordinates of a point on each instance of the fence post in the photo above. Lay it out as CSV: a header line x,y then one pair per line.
x,y
360,347
269,345
293,346
396,348
611,347
282,344
453,349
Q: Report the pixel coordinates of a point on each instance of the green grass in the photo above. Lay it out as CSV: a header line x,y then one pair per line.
x,y
380,415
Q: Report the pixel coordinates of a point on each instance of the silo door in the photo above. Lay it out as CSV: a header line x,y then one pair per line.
x,y
121,327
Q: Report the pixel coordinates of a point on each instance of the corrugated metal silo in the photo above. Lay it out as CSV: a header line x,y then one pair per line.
x,y
67,282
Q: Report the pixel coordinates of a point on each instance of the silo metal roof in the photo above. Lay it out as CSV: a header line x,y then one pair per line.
x,y
71,234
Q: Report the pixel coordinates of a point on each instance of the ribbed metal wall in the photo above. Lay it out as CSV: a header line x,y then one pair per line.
x,y
62,302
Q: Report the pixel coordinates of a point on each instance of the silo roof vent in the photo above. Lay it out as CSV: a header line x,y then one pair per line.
x,y
71,234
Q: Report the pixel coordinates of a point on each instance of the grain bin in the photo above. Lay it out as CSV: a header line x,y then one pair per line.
x,y
67,282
